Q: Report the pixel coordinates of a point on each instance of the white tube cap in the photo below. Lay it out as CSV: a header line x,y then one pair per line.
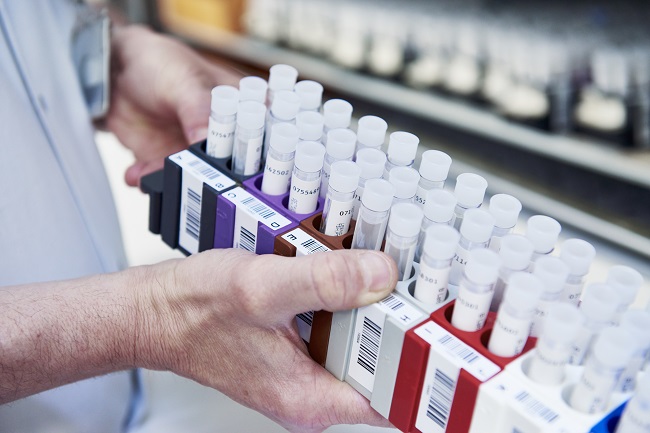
x,y
516,252
434,165
337,113
505,210
341,143
626,281
310,94
562,323
344,176
378,195
405,180
482,266
251,114
599,302
224,100
309,156
372,163
441,242
402,147
523,292
310,125
553,272
477,225
405,219
439,206
285,106
253,89
613,348
543,232
470,189
578,254
282,77
637,322
284,137
371,131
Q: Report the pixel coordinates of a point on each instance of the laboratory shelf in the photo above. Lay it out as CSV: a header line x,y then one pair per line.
x,y
627,165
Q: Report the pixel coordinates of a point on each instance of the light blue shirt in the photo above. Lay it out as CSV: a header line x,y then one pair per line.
x,y
57,217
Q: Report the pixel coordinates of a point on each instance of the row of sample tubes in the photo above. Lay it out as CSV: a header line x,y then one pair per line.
x,y
582,66
411,216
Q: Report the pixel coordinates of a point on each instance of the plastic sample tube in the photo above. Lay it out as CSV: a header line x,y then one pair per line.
x,y
402,149
579,255
434,168
337,114
553,349
222,122
281,77
279,161
340,147
543,232
515,255
626,282
553,273
611,352
310,94
474,233
253,89
637,324
405,180
438,210
469,191
305,179
371,132
402,237
284,109
247,152
636,415
440,243
505,210
515,315
371,224
310,125
598,307
339,203
475,290
371,162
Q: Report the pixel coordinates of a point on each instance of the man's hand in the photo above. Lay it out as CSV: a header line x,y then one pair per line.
x,y
233,329
160,98
225,318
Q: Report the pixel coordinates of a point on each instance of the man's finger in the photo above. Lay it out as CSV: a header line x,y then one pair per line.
x,y
336,280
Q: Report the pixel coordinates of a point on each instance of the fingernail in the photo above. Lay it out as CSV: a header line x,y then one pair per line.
x,y
378,271
198,135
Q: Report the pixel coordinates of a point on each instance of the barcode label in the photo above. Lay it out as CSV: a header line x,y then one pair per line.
x,y
446,358
400,309
535,407
369,345
304,322
462,355
201,170
247,240
256,209
458,349
249,212
190,209
304,243
442,395
364,353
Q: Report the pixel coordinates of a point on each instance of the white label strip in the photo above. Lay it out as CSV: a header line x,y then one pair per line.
x,y
256,208
447,356
201,170
305,244
395,305
190,209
